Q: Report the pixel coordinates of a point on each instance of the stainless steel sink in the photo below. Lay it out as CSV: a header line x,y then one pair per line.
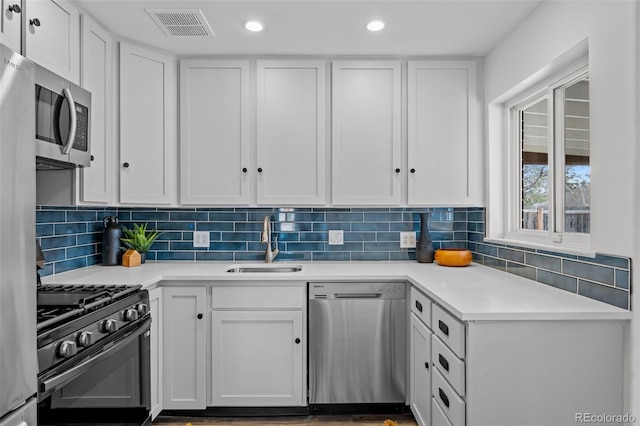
x,y
264,268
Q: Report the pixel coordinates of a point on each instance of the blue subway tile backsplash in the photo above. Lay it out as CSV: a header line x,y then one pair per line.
x,y
71,238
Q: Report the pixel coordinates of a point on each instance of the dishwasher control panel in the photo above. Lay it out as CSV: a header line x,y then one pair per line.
x,y
357,290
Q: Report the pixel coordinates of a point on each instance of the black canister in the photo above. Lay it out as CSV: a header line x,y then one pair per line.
x,y
111,234
424,247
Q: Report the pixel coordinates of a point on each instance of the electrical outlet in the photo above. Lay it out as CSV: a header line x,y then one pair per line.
x,y
201,239
336,237
407,239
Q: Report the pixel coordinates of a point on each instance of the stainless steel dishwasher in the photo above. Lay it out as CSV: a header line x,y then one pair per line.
x,y
357,343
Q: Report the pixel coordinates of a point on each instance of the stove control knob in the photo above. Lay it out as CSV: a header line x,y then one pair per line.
x,y
109,326
130,315
85,339
67,349
142,309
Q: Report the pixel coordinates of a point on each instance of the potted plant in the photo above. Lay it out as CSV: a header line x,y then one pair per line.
x,y
138,239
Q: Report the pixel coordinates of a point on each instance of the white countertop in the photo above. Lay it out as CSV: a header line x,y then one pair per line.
x,y
475,292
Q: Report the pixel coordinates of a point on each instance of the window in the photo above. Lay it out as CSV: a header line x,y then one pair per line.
x,y
549,163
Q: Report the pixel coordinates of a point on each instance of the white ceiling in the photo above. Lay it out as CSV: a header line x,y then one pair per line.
x,y
322,27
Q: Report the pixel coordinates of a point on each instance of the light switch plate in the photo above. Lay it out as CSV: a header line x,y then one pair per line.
x,y
407,239
201,239
336,237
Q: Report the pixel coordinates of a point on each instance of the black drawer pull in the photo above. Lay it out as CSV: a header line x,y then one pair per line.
x,y
443,362
443,327
443,397
426,365
418,306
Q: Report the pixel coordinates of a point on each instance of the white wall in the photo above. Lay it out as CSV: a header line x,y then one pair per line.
x,y
611,30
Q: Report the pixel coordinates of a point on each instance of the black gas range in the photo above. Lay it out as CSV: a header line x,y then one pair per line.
x,y
93,354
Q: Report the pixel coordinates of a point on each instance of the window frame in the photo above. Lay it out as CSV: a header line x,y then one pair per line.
x,y
550,88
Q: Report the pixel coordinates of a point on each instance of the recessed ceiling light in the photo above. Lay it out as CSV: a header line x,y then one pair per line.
x,y
254,26
375,25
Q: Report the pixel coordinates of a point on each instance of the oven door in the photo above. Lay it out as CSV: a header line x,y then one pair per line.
x,y
109,385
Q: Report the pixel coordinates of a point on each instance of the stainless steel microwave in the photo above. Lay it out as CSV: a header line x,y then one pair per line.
x,y
62,122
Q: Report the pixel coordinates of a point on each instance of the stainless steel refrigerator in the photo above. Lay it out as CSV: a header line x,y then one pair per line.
x,y
18,364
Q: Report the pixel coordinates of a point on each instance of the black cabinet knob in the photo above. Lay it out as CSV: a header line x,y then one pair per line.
x,y
259,169
412,170
125,165
14,8
199,316
35,22
244,170
297,340
397,170
426,365
92,158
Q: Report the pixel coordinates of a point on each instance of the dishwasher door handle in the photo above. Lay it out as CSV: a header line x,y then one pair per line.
x,y
357,295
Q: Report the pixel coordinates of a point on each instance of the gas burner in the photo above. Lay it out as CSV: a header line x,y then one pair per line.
x,y
58,304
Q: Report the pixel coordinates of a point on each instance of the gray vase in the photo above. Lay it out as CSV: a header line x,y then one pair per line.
x,y
424,246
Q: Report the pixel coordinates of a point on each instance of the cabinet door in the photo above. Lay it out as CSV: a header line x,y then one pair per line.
x,y
444,158
366,133
11,24
155,307
291,132
420,371
214,132
52,36
147,132
97,181
257,358
184,342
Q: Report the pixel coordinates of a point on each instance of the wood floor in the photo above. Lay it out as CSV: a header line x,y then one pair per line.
x,y
324,420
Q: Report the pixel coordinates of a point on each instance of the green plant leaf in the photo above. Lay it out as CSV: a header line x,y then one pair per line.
x,y
138,238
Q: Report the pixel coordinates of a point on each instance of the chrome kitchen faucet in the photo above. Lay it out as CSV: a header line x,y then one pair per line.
x,y
266,238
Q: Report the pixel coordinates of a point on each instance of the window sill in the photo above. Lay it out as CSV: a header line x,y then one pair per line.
x,y
556,248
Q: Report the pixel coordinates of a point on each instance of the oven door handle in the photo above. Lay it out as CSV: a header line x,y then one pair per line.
x,y
49,385
74,121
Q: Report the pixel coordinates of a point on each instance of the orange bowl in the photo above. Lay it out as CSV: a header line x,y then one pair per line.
x,y
453,257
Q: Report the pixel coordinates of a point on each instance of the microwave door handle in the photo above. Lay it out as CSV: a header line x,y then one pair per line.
x,y
74,121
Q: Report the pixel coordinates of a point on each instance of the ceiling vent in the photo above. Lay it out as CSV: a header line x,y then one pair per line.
x,y
181,22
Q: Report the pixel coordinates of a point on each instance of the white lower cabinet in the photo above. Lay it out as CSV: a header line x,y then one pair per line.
x,y
184,342
155,307
257,358
420,370
258,345
505,372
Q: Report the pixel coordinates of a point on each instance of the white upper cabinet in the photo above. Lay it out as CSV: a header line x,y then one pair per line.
x,y
366,132
11,24
291,132
52,36
214,132
97,61
148,148
444,155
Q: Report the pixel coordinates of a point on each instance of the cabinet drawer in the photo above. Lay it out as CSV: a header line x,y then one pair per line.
x,y
438,416
421,306
449,330
447,363
257,297
447,399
